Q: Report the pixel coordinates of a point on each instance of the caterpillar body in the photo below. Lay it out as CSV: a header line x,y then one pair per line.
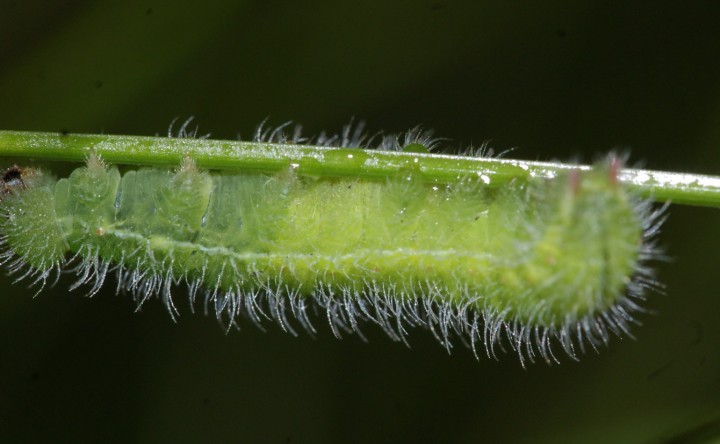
x,y
533,266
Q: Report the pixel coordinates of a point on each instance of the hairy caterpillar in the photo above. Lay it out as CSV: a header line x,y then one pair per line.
x,y
533,265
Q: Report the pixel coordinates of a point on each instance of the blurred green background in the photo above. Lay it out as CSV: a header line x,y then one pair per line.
x,y
556,79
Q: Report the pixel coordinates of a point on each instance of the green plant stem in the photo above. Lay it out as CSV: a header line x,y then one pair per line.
x,y
681,188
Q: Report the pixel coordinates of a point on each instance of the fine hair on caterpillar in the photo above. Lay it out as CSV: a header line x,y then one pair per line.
x,y
532,267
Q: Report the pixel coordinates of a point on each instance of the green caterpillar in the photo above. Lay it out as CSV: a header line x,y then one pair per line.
x,y
532,265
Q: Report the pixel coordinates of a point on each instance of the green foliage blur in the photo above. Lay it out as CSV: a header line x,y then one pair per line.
x,y
564,80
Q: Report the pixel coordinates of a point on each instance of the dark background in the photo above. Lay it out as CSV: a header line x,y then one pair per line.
x,y
556,79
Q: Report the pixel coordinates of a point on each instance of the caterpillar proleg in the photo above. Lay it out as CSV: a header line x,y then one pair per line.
x,y
536,266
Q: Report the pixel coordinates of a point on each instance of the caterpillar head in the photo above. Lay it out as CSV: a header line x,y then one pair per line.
x,y
14,178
